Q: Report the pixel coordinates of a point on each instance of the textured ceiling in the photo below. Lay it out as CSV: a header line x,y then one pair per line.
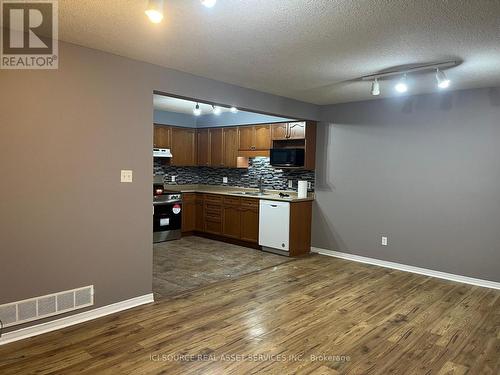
x,y
311,50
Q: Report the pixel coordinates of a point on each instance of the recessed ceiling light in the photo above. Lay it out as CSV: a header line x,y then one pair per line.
x,y
197,110
208,3
154,11
442,80
233,110
216,110
402,86
375,88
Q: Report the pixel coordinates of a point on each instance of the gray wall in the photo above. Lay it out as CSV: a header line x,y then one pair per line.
x,y
65,219
425,170
174,118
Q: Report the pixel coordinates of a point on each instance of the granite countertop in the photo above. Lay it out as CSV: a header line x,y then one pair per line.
x,y
272,195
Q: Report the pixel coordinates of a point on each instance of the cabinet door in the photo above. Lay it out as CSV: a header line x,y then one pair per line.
x,y
296,130
279,131
231,221
161,136
200,219
250,224
230,147
203,147
262,137
246,138
188,212
216,149
183,147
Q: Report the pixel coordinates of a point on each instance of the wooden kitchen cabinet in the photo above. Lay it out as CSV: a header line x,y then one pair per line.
x,y
216,147
199,213
183,147
296,130
231,217
249,220
203,147
255,137
188,212
212,213
230,147
161,136
279,131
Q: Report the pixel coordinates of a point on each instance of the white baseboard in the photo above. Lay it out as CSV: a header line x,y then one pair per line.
x,y
53,325
404,267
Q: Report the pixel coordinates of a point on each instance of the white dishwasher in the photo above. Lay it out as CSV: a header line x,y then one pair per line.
x,y
274,225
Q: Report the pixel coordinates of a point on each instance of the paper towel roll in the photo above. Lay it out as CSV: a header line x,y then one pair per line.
x,y
302,190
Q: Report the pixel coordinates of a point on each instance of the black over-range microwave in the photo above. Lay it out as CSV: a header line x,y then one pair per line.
x,y
287,157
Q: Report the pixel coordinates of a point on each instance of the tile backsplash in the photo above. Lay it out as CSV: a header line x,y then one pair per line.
x,y
273,178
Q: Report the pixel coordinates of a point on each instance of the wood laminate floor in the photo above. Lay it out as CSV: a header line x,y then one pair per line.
x,y
193,262
317,315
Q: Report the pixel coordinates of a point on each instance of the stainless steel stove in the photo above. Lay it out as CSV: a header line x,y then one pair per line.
x,y
167,214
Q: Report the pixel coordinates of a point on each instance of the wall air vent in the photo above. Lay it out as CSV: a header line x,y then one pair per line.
x,y
28,310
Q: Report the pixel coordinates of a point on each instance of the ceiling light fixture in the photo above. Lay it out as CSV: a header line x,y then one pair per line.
x,y
233,110
375,88
197,110
402,86
154,11
208,3
216,110
442,81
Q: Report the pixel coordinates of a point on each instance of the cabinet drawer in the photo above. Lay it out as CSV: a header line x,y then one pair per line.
x,y
250,203
212,198
213,227
231,201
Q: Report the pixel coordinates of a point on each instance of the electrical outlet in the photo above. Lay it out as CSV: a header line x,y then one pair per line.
x,y
290,184
309,185
224,180
384,241
126,175
172,178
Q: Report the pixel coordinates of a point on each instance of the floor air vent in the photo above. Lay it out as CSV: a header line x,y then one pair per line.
x,y
20,312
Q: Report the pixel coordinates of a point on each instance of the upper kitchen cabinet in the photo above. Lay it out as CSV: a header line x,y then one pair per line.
x,y
253,138
291,130
162,136
216,147
203,147
279,131
230,147
183,147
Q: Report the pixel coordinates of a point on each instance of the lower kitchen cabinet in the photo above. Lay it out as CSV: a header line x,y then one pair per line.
x,y
231,217
199,213
188,212
250,220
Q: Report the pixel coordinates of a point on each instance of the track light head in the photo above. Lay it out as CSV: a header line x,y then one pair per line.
x,y
233,110
442,81
402,86
208,3
154,11
375,88
216,110
197,110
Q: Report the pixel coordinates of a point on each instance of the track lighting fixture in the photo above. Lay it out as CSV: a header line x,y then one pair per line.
x,y
402,86
154,11
233,110
375,88
442,81
216,110
208,3
197,110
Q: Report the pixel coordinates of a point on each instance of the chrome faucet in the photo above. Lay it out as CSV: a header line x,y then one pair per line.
x,y
261,188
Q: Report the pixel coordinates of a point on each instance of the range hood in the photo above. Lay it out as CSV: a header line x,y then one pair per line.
x,y
162,153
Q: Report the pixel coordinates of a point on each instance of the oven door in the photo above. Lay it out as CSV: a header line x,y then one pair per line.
x,y
167,221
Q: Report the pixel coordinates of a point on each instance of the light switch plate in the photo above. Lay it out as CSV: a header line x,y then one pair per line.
x,y
172,178
384,241
224,180
126,175
290,184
